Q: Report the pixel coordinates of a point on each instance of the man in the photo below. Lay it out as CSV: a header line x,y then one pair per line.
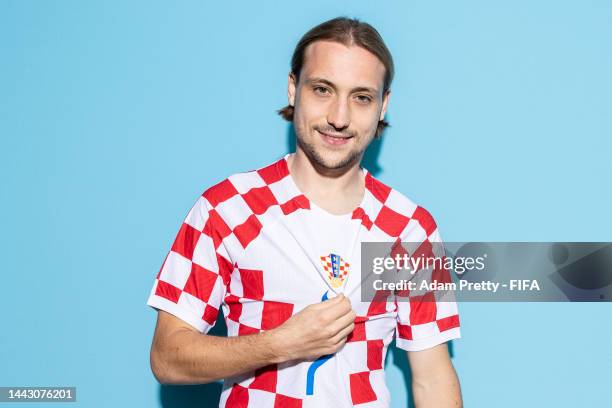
x,y
278,250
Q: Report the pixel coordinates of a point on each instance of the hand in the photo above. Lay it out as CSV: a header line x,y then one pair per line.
x,y
317,330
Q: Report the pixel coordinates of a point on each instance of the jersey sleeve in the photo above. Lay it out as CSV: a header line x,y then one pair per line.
x,y
426,318
193,279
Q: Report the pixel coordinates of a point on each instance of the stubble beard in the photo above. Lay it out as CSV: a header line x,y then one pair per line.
x,y
325,164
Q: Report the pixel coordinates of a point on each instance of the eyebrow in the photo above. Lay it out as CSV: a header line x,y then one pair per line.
x,y
310,81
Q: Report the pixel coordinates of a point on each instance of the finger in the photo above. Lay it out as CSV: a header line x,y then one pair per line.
x,y
329,302
332,300
337,346
342,322
335,310
347,319
343,334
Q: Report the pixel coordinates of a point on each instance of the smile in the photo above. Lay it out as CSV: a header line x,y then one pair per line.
x,y
333,139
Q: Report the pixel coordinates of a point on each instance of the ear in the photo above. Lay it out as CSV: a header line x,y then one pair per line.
x,y
291,89
383,111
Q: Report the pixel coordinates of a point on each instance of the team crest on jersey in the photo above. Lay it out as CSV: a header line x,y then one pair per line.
x,y
336,269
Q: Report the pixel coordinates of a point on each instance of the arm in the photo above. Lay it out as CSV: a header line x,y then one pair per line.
x,y
434,380
182,355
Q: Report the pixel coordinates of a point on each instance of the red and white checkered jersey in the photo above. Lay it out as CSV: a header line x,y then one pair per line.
x,y
258,248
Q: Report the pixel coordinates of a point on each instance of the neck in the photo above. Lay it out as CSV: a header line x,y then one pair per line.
x,y
336,190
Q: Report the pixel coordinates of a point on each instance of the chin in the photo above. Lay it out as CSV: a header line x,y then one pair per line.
x,y
329,159
333,160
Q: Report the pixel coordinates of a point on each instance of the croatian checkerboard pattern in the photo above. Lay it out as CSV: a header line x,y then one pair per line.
x,y
249,246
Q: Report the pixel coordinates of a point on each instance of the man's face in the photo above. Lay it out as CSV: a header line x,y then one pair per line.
x,y
338,102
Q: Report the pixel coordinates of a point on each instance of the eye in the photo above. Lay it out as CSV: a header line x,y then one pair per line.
x,y
364,99
321,90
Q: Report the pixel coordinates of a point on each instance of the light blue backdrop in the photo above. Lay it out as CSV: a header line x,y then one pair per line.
x,y
115,115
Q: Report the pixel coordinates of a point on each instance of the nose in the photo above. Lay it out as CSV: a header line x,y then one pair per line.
x,y
339,114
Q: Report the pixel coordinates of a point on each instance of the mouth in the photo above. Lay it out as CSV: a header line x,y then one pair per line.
x,y
334,139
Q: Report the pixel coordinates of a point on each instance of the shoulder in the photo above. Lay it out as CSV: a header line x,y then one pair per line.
x,y
235,205
245,183
395,205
